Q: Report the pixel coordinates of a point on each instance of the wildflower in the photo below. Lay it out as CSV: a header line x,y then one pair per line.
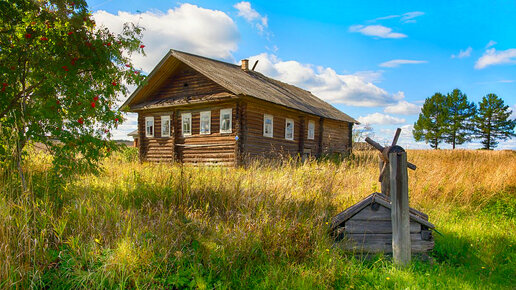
x,y
116,119
388,278
128,65
43,38
28,35
70,33
96,98
65,67
93,104
114,83
142,46
80,121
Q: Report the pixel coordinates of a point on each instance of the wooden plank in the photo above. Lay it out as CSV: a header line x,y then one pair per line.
x,y
368,214
375,243
401,226
378,227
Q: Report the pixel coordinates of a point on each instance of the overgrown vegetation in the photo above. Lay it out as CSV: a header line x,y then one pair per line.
x,y
169,226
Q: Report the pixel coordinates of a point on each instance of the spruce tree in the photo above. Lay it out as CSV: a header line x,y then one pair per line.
x,y
492,122
459,124
431,124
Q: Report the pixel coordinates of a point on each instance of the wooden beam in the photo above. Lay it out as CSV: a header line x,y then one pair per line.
x,y
401,247
385,177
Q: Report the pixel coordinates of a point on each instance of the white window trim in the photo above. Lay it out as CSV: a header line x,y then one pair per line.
x,y
183,115
209,122
225,111
265,117
311,136
163,131
293,132
147,119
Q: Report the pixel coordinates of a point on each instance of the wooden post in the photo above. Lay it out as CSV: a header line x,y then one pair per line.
x,y
401,247
385,184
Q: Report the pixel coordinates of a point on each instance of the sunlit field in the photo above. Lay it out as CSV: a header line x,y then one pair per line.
x,y
265,226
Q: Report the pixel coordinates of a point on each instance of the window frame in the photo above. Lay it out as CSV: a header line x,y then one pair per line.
x,y
147,119
165,118
271,117
288,120
209,122
223,112
183,115
311,136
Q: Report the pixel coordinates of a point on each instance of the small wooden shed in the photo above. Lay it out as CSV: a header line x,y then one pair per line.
x,y
366,227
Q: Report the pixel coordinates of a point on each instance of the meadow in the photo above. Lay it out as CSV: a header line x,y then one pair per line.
x,y
264,226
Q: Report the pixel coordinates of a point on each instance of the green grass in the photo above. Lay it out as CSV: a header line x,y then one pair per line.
x,y
168,226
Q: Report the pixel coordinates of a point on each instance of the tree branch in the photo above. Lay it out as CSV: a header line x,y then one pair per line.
x,y
18,97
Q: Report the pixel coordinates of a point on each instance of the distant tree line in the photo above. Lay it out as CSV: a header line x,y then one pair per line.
x,y
452,119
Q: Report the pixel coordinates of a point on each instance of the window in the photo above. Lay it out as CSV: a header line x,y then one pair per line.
x,y
205,122
186,124
165,126
268,125
289,129
149,126
225,120
311,130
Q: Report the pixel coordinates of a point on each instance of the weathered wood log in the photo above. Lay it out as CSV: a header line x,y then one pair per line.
x,y
401,225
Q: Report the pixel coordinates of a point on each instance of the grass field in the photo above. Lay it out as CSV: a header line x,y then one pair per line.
x,y
160,225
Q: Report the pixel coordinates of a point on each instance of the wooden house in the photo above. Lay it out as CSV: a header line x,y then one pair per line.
x,y
194,109
135,136
366,227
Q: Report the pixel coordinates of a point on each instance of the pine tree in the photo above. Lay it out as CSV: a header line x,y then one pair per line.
x,y
459,124
492,122
431,123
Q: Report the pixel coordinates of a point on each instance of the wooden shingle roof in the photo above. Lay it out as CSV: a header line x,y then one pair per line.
x,y
383,200
246,83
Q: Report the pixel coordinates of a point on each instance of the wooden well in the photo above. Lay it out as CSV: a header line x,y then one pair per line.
x,y
367,227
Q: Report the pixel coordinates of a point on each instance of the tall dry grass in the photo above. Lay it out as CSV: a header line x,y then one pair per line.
x,y
163,225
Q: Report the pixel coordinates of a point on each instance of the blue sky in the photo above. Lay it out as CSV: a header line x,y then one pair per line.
x,y
375,60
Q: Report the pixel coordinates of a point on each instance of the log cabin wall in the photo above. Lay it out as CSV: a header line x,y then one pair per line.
x,y
257,145
156,148
335,137
216,148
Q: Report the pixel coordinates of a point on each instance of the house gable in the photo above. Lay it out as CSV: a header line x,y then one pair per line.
x,y
185,82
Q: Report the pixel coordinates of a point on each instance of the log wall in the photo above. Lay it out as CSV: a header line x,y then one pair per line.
x,y
258,145
336,137
214,148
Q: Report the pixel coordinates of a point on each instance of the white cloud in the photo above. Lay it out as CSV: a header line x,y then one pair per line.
x,y
380,119
211,33
409,16
326,83
463,53
513,115
491,43
376,30
493,57
405,18
252,16
398,62
403,108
